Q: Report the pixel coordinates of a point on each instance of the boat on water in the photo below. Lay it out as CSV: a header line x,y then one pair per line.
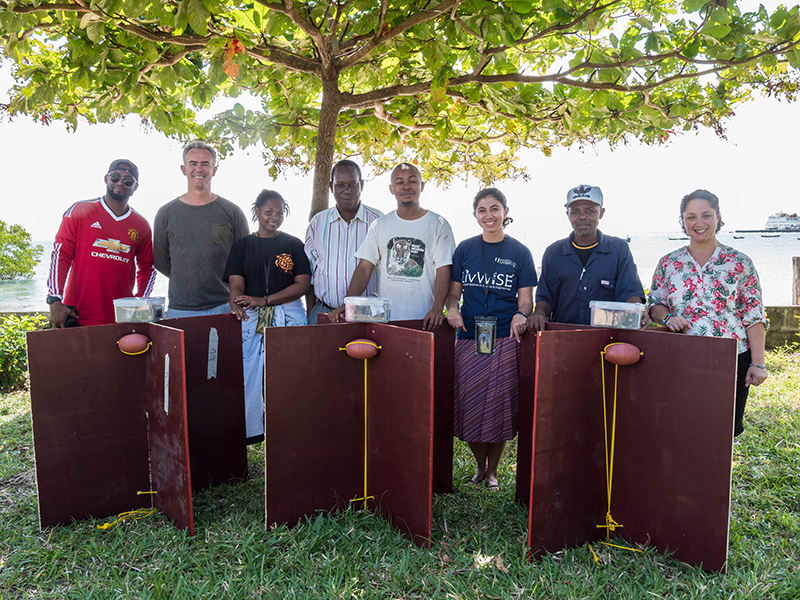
x,y
780,222
770,235
678,238
738,237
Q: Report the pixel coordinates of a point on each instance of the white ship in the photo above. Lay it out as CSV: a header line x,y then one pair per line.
x,y
783,222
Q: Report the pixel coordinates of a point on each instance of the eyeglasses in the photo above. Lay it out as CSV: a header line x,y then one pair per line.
x,y
115,177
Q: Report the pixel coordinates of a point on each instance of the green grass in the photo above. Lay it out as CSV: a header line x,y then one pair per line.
x,y
478,539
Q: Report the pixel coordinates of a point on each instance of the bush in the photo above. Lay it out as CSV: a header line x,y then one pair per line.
x,y
13,355
18,256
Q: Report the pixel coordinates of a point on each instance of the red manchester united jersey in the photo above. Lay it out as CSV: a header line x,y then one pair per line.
x,y
103,255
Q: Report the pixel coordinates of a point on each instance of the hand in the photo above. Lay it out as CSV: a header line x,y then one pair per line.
x,y
59,314
433,320
755,375
337,315
537,322
455,319
250,301
237,310
645,320
519,325
678,324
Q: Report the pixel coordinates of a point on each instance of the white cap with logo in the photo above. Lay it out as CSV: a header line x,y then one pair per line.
x,y
592,193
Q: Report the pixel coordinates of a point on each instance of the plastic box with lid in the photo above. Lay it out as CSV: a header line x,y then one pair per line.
x,y
617,315
358,309
139,310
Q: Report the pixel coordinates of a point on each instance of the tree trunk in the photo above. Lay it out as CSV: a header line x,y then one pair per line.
x,y
326,144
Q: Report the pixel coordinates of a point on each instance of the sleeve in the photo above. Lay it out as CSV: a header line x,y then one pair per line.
x,y
445,244
543,293
658,287
527,272
145,270
241,228
628,283
302,265
458,263
161,258
369,249
308,247
235,264
63,253
750,306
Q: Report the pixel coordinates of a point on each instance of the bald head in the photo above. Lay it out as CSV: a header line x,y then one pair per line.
x,y
406,186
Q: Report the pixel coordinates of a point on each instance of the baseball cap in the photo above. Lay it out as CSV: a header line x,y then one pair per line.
x,y
592,193
123,164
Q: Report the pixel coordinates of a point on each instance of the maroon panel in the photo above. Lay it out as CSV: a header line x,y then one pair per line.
x,y
672,471
400,426
167,436
215,404
443,399
568,498
314,416
89,423
527,386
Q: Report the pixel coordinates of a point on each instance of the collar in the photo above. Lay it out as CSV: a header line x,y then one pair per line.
x,y
111,212
567,248
360,213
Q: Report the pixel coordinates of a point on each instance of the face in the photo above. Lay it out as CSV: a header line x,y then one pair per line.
x,y
119,190
700,220
490,214
346,187
199,168
406,186
270,215
584,216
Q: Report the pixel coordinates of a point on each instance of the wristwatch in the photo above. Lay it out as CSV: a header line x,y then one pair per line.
x,y
51,299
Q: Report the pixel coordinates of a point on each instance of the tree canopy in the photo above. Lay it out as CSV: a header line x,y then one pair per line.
x,y
456,86
18,256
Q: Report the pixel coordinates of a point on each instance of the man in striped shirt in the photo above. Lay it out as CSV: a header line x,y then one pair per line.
x,y
332,238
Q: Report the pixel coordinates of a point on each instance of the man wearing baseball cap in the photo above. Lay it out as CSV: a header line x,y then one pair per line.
x,y
585,266
104,246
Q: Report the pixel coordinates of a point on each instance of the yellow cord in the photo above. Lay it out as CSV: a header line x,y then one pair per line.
x,y
611,524
622,547
135,353
139,513
364,497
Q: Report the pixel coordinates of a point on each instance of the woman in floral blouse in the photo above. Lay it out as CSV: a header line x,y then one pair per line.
x,y
710,289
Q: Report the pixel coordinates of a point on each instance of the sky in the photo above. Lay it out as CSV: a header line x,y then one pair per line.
x,y
44,169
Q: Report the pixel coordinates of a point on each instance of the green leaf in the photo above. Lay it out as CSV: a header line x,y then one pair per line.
x,y
691,6
198,15
716,31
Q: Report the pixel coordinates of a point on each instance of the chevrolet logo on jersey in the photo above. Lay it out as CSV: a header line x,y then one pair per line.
x,y
112,246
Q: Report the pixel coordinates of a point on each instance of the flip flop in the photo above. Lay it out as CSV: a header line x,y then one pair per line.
x,y
475,482
492,487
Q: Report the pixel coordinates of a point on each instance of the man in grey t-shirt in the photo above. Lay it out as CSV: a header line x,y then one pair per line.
x,y
192,237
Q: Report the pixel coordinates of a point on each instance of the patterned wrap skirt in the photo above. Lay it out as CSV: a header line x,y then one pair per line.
x,y
487,392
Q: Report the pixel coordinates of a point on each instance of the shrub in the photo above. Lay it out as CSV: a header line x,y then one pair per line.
x,y
13,356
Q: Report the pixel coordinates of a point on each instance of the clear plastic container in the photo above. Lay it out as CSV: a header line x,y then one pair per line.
x,y
617,315
367,310
139,310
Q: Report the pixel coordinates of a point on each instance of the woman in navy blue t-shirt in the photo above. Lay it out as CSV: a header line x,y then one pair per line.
x,y
495,275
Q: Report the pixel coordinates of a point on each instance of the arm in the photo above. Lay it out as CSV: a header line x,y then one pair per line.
x,y
756,337
540,316
236,284
524,304
357,286
311,299
676,323
453,313
60,265
161,244
145,271
441,285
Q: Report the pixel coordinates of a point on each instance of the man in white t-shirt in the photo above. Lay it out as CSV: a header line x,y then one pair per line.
x,y
413,250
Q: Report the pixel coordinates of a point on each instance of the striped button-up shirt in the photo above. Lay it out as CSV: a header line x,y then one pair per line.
x,y
331,245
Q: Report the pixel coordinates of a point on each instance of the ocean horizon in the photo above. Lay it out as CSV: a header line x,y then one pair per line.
x,y
772,257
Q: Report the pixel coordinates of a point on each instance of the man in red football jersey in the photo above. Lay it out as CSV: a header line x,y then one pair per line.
x,y
104,246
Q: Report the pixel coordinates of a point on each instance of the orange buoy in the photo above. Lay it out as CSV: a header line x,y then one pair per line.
x,y
622,353
361,348
134,343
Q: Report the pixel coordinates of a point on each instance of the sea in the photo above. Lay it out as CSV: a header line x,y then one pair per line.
x,y
771,255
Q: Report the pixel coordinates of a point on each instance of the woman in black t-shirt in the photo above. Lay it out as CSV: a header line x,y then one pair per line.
x,y
268,274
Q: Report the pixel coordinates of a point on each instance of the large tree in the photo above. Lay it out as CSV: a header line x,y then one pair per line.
x,y
460,85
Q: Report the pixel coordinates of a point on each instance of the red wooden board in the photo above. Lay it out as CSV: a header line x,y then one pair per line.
x,y
672,463
215,404
314,420
89,423
167,427
400,432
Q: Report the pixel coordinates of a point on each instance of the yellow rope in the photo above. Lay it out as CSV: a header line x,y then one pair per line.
x,y
135,353
139,513
622,547
611,524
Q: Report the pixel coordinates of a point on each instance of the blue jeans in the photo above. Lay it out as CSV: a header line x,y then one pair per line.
x,y
175,313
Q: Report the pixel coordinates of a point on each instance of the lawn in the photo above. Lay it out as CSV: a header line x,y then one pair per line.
x,y
478,540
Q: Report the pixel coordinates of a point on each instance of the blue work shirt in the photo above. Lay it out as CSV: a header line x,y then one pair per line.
x,y
567,286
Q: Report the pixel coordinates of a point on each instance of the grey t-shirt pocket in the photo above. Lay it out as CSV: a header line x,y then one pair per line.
x,y
221,232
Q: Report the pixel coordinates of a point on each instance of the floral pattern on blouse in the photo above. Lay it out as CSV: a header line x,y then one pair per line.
x,y
720,299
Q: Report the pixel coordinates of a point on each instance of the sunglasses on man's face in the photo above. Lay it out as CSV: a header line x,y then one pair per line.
x,y
115,177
